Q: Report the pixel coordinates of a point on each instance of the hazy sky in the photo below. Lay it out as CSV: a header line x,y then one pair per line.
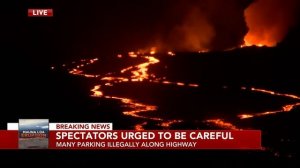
x,y
31,122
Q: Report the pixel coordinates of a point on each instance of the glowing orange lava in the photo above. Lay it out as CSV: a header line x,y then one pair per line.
x,y
275,93
140,127
247,43
222,124
171,53
167,82
140,72
269,21
83,63
167,124
245,116
96,91
285,108
193,85
153,51
132,54
180,84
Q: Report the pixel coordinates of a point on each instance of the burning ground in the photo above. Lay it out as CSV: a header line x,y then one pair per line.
x,y
215,90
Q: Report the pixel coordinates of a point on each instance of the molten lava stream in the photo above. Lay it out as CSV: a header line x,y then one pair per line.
x,y
139,73
285,108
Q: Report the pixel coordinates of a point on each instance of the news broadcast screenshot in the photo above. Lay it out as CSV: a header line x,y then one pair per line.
x,y
174,81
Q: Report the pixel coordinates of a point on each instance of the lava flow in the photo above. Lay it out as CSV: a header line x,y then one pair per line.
x,y
135,73
285,108
76,70
140,73
221,123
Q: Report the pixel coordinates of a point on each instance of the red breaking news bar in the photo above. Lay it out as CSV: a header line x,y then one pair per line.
x,y
8,139
248,139
138,140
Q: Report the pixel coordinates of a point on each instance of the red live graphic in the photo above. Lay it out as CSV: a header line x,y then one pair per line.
x,y
40,12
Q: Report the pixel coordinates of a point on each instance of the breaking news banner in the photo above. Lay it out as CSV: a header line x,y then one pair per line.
x,y
40,134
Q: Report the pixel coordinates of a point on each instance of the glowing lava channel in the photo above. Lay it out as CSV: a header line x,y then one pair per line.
x,y
77,70
285,108
221,124
139,73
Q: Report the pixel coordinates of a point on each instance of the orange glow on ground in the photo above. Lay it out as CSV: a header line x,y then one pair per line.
x,y
180,84
83,62
132,54
134,108
153,51
167,124
96,91
245,116
171,53
275,93
139,72
193,85
269,21
285,108
222,124
257,44
140,127
75,72
167,82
